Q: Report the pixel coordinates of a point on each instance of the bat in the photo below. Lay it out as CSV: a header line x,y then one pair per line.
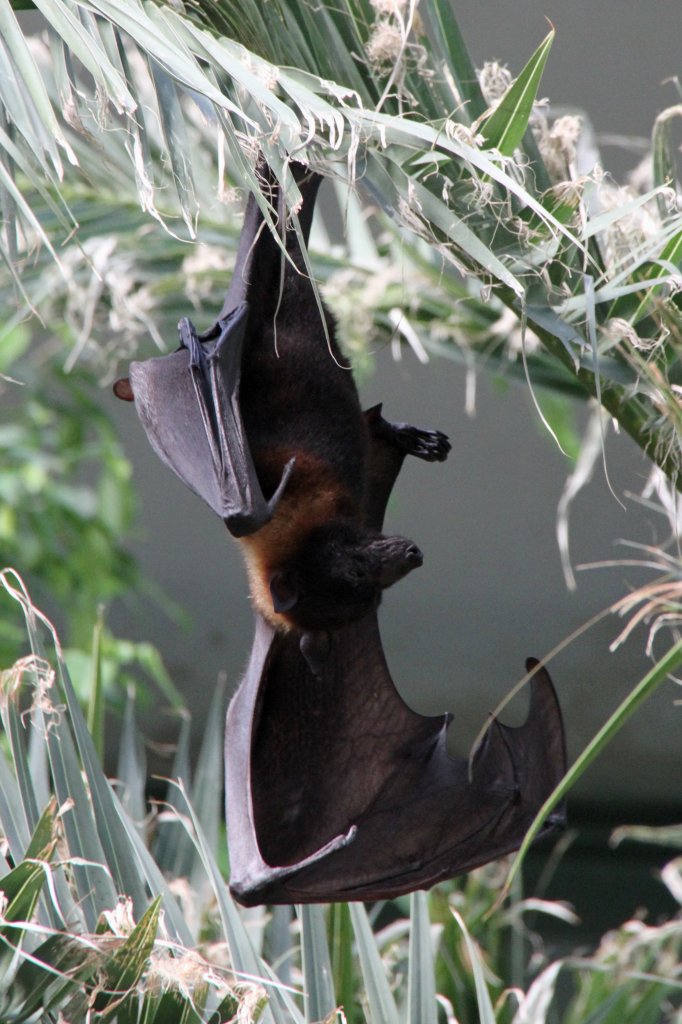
x,y
335,789
260,416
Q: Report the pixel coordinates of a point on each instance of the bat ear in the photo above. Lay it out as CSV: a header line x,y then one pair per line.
x,y
123,389
283,591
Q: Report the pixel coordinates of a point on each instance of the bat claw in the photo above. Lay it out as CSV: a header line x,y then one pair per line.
x,y
315,648
429,445
274,500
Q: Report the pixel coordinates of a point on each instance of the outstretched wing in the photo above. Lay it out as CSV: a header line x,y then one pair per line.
x,y
336,790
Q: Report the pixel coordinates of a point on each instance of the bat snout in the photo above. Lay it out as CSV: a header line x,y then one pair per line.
x,y
412,557
398,556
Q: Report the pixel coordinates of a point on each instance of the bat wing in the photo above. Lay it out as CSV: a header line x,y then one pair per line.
x,y
337,790
188,401
188,404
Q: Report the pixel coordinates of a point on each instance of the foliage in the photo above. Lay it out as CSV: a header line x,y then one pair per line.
x,y
67,512
495,239
101,933
481,186
65,492
113,912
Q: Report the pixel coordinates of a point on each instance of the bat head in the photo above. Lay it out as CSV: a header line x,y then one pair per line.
x,y
338,574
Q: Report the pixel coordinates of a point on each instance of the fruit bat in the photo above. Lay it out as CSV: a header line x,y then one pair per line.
x,y
260,416
335,789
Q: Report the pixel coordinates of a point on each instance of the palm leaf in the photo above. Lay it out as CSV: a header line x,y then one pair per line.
x,y
81,951
506,126
291,79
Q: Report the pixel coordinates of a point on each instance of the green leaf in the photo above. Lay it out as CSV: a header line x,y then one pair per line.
x,y
60,967
94,885
559,411
316,963
14,343
96,695
149,870
23,885
174,850
444,35
110,834
421,986
382,1006
505,127
662,153
341,942
12,816
132,766
177,144
128,963
486,1013
22,91
42,841
670,259
207,798
62,15
175,1007
227,1010
243,955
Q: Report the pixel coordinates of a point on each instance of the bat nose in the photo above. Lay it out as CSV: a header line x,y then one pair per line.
x,y
399,556
413,556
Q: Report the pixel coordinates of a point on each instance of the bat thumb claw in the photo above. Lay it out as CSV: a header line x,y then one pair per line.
x,y
286,473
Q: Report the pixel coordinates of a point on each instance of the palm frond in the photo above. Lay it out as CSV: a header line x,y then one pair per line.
x,y
372,94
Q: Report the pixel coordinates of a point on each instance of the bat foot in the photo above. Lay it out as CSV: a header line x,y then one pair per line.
x,y
429,445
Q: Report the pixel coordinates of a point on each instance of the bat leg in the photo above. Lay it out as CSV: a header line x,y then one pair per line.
x,y
429,445
215,368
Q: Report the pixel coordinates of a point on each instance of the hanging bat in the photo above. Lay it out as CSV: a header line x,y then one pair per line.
x,y
335,789
260,417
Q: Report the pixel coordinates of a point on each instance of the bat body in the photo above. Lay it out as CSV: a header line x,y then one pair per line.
x,y
269,389
335,788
